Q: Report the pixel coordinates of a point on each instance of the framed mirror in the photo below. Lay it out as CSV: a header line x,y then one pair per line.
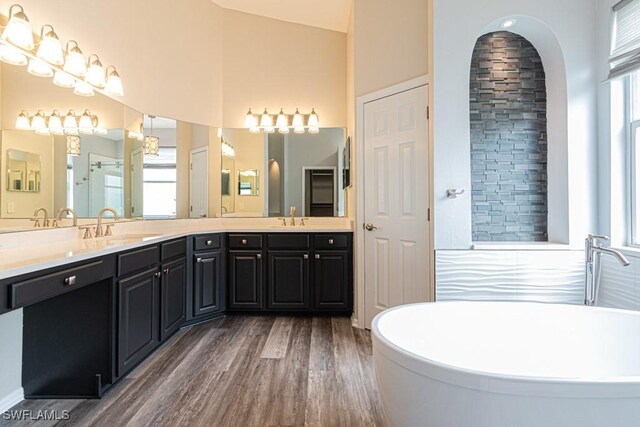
x,y
23,171
248,182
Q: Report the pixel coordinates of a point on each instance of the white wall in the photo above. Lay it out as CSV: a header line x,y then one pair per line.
x,y
11,358
572,130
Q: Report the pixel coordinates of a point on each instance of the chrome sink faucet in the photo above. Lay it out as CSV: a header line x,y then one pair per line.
x,y
593,251
99,232
73,213
292,212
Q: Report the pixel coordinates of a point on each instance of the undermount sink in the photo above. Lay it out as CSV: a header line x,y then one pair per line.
x,y
128,238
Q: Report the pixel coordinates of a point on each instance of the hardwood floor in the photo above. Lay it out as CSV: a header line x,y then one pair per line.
x,y
241,371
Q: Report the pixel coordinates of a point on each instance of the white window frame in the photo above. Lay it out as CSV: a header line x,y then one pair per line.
x,y
633,152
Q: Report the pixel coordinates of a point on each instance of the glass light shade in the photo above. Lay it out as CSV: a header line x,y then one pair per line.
x,y
114,85
75,64
313,120
38,122
43,131
70,123
282,121
219,133
298,121
86,123
50,49
151,145
99,131
39,68
228,150
95,74
254,129
73,145
11,55
250,120
22,122
283,130
55,124
18,30
314,130
63,79
298,130
269,129
83,89
266,120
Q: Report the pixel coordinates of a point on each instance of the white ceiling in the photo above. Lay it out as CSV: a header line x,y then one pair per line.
x,y
327,14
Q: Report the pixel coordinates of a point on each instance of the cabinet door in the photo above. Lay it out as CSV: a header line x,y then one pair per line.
x,y
288,280
245,280
172,294
207,280
331,280
139,307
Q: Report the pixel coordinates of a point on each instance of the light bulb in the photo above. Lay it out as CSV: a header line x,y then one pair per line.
x,y
298,121
250,120
86,123
114,84
50,48
95,73
38,67
75,64
38,123
55,124
63,79
83,89
266,120
22,122
11,55
70,123
18,30
313,121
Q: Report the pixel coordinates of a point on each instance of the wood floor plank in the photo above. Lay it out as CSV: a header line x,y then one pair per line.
x,y
278,341
318,372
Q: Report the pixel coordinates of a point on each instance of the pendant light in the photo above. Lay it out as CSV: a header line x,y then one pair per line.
x,y
85,125
114,83
11,55
70,123
83,89
73,145
38,67
151,142
50,47
75,64
63,79
95,72
18,30
22,122
55,124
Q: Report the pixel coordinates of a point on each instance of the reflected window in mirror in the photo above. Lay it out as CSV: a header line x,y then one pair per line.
x,y
160,184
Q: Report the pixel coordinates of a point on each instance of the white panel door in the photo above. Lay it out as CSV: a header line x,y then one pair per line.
x,y
396,187
199,183
137,183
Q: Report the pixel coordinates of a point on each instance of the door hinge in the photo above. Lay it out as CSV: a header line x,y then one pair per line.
x,y
191,166
428,113
428,214
191,208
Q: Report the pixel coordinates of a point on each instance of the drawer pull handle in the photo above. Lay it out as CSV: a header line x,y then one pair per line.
x,y
331,241
306,256
209,242
317,256
244,241
259,256
70,281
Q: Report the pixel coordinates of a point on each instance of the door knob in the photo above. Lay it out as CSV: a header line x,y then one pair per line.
x,y
370,227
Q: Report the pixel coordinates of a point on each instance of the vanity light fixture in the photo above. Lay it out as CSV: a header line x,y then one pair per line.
x,y
18,30
73,145
151,142
70,123
283,122
137,135
39,124
46,57
86,125
228,150
54,124
22,122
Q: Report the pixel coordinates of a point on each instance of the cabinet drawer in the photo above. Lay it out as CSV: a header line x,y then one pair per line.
x,y
288,241
175,249
43,287
245,241
331,241
211,241
139,260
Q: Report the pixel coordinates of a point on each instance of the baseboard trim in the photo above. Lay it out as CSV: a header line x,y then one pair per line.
x,y
12,399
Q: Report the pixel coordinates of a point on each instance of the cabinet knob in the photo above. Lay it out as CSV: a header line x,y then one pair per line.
x,y
317,256
166,270
209,242
198,259
259,256
306,256
158,274
244,241
70,281
331,241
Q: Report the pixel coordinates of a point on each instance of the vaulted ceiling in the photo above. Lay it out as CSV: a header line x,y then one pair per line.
x,y
327,14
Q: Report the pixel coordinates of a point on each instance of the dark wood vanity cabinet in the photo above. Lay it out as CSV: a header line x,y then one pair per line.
x,y
208,281
288,280
331,280
173,283
138,319
245,280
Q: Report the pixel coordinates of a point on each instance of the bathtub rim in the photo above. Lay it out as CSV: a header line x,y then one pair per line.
x,y
610,387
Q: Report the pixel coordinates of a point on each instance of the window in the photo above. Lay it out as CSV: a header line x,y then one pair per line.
x,y
634,140
159,192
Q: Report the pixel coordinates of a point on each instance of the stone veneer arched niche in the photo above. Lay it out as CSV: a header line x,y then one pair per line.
x,y
508,119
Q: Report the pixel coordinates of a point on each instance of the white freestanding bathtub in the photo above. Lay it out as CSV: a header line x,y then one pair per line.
x,y
508,364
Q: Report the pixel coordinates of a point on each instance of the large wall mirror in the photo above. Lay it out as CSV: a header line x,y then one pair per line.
x,y
263,175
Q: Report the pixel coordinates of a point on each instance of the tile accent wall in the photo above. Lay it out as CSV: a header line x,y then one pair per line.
x,y
620,286
508,104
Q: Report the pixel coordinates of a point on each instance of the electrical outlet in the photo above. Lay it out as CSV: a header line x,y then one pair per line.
x,y
11,208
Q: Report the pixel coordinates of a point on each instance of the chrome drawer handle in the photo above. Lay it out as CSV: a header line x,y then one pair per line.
x,y
209,242
331,241
306,256
244,241
70,281
317,256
